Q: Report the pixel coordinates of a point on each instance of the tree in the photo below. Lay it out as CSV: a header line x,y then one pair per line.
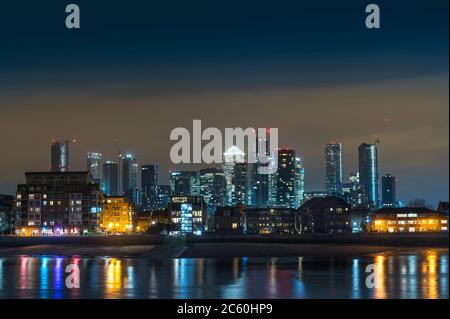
x,y
419,202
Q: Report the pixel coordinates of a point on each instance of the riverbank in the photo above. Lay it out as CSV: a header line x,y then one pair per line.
x,y
155,247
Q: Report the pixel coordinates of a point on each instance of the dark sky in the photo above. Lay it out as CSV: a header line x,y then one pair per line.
x,y
137,69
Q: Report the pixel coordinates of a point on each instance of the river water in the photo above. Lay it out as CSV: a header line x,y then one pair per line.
x,y
415,274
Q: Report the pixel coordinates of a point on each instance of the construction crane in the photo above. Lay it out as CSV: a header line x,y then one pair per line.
x,y
119,151
119,165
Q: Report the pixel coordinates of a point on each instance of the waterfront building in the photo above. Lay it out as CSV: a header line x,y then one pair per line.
x,y
7,220
271,220
117,215
329,215
188,215
407,220
333,169
58,203
229,219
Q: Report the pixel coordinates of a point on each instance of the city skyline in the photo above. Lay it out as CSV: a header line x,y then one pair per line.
x,y
316,75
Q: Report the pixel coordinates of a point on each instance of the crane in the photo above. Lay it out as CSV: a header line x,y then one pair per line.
x,y
119,165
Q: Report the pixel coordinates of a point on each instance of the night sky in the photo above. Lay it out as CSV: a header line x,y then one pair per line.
x,y
137,69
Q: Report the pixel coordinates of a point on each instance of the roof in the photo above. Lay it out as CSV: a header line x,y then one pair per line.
x,y
234,151
323,202
403,210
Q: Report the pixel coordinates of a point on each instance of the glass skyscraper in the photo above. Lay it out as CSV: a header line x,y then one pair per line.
x,y
60,156
333,168
110,182
368,173
184,183
149,185
286,178
130,173
213,188
94,166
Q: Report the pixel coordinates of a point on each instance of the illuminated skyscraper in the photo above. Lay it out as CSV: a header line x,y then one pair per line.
x,y
184,183
263,186
110,182
213,188
60,156
94,166
232,157
163,196
286,178
299,184
368,173
149,185
130,174
388,187
333,168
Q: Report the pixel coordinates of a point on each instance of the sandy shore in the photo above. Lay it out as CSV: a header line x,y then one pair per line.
x,y
218,246
218,250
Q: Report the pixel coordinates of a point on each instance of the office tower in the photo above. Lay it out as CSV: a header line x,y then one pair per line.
x,y
130,174
299,185
57,203
213,188
263,184
149,185
285,180
231,157
333,169
388,187
368,173
353,193
241,182
184,183
110,182
163,196
60,156
94,166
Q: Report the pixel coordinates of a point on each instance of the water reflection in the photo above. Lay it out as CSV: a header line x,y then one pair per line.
x,y
416,275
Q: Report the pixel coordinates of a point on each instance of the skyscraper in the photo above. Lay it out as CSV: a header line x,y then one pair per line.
x,y
163,196
299,184
94,165
231,157
263,185
130,173
388,190
110,182
149,185
333,169
184,183
368,173
286,178
60,156
213,188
